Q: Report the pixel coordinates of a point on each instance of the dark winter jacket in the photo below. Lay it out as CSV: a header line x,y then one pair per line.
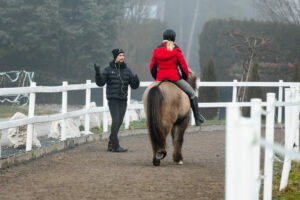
x,y
168,64
117,77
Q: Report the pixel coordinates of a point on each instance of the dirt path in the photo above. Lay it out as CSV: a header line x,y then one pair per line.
x,y
90,172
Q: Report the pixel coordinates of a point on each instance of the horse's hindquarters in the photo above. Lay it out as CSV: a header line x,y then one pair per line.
x,y
166,107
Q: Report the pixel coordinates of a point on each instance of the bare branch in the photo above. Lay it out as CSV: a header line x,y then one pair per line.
x,y
287,11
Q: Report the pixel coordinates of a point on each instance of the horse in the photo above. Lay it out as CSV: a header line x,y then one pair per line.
x,y
167,109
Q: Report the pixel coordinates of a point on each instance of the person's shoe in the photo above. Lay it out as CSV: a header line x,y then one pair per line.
x,y
119,149
109,146
199,119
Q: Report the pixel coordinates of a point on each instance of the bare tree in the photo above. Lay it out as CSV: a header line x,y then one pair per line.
x,y
249,48
287,11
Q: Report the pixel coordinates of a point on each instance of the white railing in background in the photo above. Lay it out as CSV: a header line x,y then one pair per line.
x,y
242,134
243,142
33,89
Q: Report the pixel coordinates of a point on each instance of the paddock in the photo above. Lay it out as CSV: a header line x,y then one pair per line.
x,y
90,172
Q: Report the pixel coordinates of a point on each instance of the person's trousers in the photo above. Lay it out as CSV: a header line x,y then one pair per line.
x,y
186,87
117,109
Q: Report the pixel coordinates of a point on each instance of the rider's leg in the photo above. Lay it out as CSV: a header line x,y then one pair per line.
x,y
185,86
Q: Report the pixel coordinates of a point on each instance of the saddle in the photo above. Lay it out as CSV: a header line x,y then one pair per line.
x,y
167,80
171,81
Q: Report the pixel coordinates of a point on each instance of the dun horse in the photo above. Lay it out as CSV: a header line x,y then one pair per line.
x,y
167,109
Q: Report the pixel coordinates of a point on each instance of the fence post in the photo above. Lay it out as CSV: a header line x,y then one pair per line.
x,y
241,180
249,188
127,116
280,99
287,161
0,144
105,120
87,107
234,91
297,121
294,120
268,166
232,177
256,109
64,110
30,115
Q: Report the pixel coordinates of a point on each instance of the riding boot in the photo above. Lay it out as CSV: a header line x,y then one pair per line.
x,y
199,119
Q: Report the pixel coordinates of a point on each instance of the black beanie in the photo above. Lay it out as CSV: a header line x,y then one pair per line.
x,y
116,52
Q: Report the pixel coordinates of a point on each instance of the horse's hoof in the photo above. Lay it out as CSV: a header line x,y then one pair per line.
x,y
180,162
160,155
156,162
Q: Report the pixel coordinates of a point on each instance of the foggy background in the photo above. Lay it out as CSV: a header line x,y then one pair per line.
x,y
61,40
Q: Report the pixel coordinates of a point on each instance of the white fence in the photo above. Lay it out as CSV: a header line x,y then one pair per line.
x,y
243,142
31,120
33,89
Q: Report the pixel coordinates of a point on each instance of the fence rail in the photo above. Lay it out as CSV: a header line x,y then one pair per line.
x,y
235,143
64,88
243,142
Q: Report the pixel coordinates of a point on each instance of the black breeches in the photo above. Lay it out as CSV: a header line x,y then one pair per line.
x,y
117,109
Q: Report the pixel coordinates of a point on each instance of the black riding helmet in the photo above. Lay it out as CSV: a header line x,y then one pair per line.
x,y
169,34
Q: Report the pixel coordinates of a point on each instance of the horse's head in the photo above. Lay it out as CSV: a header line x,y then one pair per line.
x,y
192,79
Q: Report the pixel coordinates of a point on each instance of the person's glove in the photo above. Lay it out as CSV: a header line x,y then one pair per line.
x,y
97,69
135,82
136,78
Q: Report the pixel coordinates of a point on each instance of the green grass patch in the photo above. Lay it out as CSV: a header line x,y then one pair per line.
x,y
292,191
9,111
214,122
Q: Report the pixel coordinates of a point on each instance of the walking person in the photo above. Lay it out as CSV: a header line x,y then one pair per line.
x,y
117,76
168,63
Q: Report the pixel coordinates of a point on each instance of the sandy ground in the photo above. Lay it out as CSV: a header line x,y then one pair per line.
x,y
90,172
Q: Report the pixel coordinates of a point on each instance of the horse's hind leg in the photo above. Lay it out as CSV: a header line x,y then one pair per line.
x,y
160,153
177,137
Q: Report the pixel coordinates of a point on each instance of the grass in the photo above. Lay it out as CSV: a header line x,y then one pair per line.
x,y
292,191
9,111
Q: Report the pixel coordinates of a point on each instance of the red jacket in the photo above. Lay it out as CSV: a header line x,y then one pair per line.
x,y
164,64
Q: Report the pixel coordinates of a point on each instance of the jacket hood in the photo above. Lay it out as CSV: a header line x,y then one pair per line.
x,y
164,54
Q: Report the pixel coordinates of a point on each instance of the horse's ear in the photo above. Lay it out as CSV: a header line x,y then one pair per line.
x,y
192,79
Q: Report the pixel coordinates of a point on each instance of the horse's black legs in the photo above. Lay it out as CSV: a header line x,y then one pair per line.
x,y
177,137
157,156
155,161
160,153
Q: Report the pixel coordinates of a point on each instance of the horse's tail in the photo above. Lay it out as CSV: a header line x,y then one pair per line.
x,y
154,107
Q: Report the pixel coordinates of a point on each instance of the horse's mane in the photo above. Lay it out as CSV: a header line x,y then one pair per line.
x,y
192,79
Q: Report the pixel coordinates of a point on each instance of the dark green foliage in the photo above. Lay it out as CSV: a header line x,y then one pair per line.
x,y
58,40
215,41
253,92
296,74
209,94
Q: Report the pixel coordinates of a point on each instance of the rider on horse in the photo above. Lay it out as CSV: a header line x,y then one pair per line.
x,y
168,63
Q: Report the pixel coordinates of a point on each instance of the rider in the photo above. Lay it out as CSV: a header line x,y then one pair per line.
x,y
168,63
